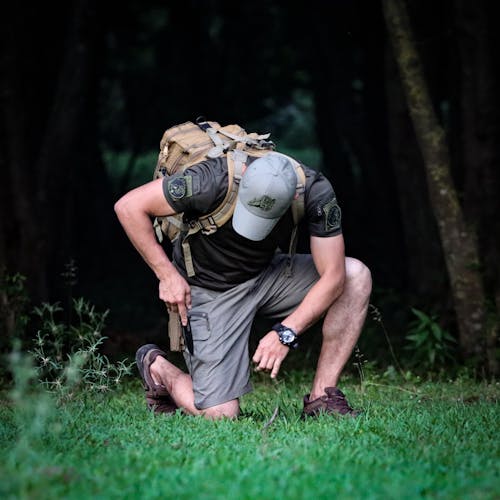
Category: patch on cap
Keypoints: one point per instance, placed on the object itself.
(265, 203)
(332, 215)
(180, 187)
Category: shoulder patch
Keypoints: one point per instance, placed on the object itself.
(332, 215)
(180, 187)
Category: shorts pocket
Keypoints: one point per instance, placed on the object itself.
(200, 325)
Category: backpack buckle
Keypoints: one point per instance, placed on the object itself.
(208, 225)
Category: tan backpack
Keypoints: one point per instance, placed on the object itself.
(189, 143)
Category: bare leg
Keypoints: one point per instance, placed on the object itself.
(180, 387)
(342, 327)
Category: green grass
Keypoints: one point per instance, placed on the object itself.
(415, 440)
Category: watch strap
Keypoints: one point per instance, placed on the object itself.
(279, 328)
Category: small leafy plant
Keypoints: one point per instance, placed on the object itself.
(67, 356)
(430, 344)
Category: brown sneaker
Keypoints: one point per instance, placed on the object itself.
(158, 398)
(334, 402)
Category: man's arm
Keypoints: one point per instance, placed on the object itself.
(134, 211)
(329, 258)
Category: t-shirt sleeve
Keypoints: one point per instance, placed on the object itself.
(198, 189)
(323, 214)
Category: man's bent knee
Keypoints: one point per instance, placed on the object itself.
(358, 276)
(230, 409)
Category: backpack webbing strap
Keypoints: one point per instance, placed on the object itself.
(212, 133)
(188, 258)
(175, 332)
(208, 224)
(235, 161)
(202, 122)
(221, 147)
(297, 206)
(157, 230)
(257, 141)
(298, 202)
(297, 212)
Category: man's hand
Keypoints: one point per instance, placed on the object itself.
(270, 353)
(176, 293)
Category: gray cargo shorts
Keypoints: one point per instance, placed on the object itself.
(221, 323)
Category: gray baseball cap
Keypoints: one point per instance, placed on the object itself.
(266, 191)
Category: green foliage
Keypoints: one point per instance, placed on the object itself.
(67, 356)
(28, 415)
(431, 346)
(416, 439)
(64, 365)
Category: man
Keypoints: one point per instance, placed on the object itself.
(240, 272)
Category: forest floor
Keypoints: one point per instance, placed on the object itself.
(415, 439)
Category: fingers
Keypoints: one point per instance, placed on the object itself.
(183, 313)
(177, 297)
(276, 368)
(257, 356)
(179, 308)
(270, 365)
(269, 355)
(188, 299)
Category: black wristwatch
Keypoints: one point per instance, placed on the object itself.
(286, 335)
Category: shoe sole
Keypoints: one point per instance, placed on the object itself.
(160, 401)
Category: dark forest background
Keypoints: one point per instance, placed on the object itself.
(88, 87)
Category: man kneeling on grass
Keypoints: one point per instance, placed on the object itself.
(239, 271)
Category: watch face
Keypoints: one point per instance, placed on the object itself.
(287, 336)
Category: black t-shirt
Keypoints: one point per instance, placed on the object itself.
(225, 259)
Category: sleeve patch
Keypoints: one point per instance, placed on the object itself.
(332, 215)
(180, 187)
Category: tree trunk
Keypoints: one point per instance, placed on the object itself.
(457, 238)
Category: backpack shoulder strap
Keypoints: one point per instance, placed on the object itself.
(298, 202)
(209, 223)
(235, 162)
(298, 209)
